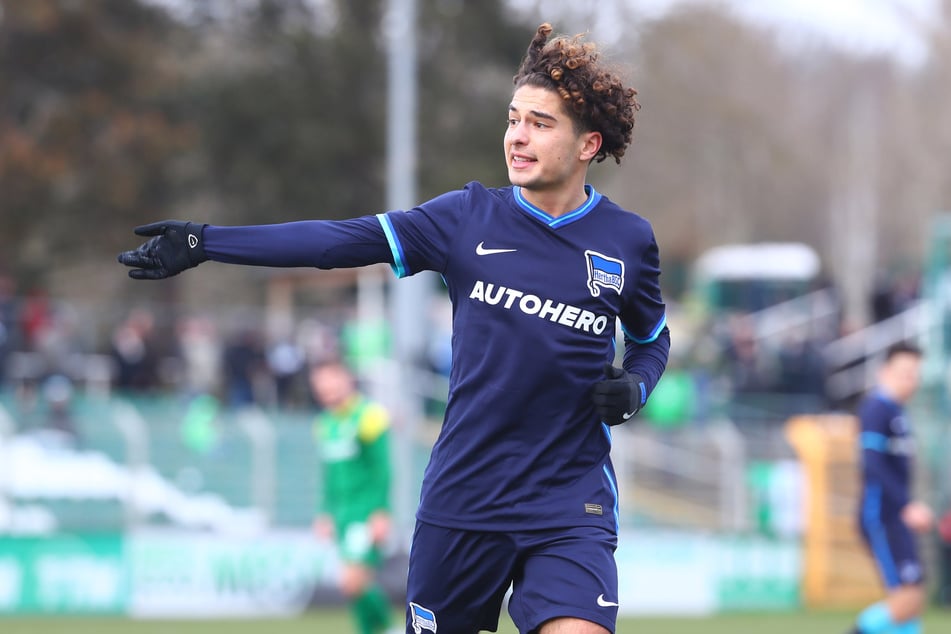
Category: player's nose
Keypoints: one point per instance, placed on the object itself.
(517, 134)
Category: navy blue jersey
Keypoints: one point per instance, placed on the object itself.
(535, 302)
(887, 453)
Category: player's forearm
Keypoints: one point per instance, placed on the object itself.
(648, 359)
(318, 243)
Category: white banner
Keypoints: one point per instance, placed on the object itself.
(188, 575)
(674, 572)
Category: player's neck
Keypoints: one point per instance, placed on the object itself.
(556, 203)
(345, 406)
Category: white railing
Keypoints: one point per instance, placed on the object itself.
(695, 476)
(850, 359)
(135, 436)
(813, 315)
(261, 434)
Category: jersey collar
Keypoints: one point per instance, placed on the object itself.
(593, 199)
(881, 395)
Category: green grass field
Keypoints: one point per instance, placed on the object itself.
(337, 622)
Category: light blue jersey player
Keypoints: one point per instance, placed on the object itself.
(520, 490)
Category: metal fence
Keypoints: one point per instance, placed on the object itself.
(171, 460)
(161, 460)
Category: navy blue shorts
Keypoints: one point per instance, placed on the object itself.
(458, 579)
(895, 550)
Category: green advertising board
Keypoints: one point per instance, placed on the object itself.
(63, 575)
(758, 573)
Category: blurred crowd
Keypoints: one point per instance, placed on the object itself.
(773, 363)
(754, 363)
(141, 354)
(50, 349)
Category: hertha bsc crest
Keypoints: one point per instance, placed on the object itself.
(422, 618)
(604, 272)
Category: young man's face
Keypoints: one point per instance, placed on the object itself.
(332, 385)
(901, 375)
(542, 149)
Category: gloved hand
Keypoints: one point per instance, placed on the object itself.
(174, 247)
(619, 395)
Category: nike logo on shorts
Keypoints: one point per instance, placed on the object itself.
(604, 603)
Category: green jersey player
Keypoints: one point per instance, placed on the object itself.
(352, 435)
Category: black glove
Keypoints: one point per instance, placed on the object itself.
(176, 246)
(619, 395)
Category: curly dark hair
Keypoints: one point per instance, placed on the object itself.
(594, 95)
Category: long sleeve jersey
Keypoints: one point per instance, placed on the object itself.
(535, 302)
(887, 456)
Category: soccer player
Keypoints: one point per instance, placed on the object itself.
(519, 489)
(888, 516)
(352, 436)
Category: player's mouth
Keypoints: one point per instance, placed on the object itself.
(520, 161)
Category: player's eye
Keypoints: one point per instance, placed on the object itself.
(539, 124)
(511, 122)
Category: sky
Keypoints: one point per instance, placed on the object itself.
(859, 26)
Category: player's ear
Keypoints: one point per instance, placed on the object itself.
(590, 145)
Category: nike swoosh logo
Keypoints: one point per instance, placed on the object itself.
(627, 415)
(481, 250)
(606, 604)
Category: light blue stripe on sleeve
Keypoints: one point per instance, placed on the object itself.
(874, 441)
(399, 262)
(651, 337)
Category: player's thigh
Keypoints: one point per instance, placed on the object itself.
(356, 544)
(566, 576)
(894, 548)
(457, 579)
(567, 625)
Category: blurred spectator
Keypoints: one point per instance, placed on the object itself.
(285, 362)
(35, 318)
(802, 369)
(892, 295)
(746, 366)
(882, 301)
(133, 351)
(201, 354)
(907, 290)
(944, 527)
(244, 363)
(317, 341)
(7, 317)
(199, 429)
(60, 425)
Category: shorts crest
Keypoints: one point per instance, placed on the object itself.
(422, 618)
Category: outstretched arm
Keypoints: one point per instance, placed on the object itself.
(324, 244)
(175, 246)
